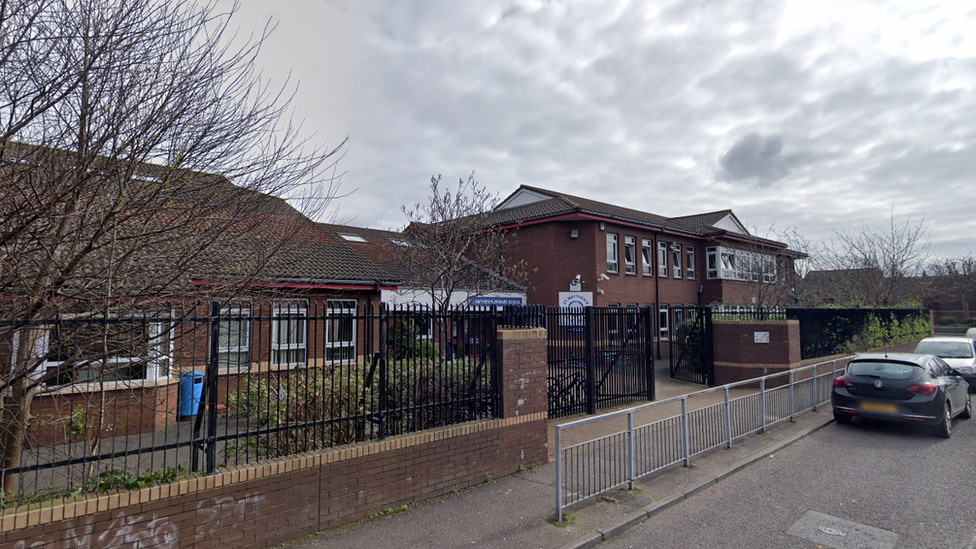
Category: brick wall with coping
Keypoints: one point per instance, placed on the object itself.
(274, 502)
(738, 356)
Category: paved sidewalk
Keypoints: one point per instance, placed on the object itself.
(514, 512)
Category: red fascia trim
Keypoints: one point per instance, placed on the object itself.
(585, 216)
(716, 238)
(306, 285)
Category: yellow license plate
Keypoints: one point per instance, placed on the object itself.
(879, 407)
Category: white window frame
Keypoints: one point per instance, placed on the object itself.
(743, 265)
(342, 308)
(613, 321)
(662, 259)
(613, 257)
(294, 310)
(647, 256)
(158, 362)
(676, 260)
(630, 255)
(690, 262)
(663, 322)
(230, 313)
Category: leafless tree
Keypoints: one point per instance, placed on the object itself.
(138, 150)
(953, 279)
(878, 266)
(453, 246)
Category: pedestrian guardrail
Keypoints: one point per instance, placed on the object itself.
(692, 424)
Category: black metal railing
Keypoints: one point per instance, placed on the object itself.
(826, 332)
(598, 357)
(125, 401)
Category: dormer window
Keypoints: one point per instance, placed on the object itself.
(349, 237)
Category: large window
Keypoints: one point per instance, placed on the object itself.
(289, 333)
(341, 330)
(91, 349)
(662, 259)
(613, 263)
(234, 337)
(676, 259)
(690, 261)
(732, 264)
(647, 257)
(630, 255)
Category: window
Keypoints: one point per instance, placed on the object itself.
(690, 262)
(613, 265)
(234, 336)
(349, 237)
(289, 333)
(613, 321)
(732, 264)
(647, 257)
(662, 259)
(633, 320)
(630, 255)
(341, 330)
(676, 259)
(83, 349)
(662, 322)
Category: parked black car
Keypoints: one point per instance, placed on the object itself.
(901, 387)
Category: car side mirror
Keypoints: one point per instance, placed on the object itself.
(954, 372)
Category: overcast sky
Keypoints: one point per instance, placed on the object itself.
(793, 113)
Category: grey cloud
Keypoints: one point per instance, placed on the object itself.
(755, 157)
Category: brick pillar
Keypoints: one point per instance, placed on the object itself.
(522, 372)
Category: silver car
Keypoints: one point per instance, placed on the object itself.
(958, 352)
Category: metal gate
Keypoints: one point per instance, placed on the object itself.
(691, 345)
(598, 358)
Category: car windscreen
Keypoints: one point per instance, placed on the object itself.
(946, 349)
(883, 370)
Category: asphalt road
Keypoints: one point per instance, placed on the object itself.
(864, 486)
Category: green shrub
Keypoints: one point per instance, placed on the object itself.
(879, 331)
(301, 397)
(947, 321)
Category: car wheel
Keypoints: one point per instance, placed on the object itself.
(944, 429)
(967, 412)
(842, 418)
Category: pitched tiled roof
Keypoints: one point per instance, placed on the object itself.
(703, 224)
(381, 249)
(560, 204)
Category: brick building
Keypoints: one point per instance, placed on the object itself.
(629, 257)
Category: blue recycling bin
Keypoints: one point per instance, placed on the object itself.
(191, 391)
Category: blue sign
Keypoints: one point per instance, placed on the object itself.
(485, 301)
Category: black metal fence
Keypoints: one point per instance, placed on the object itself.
(121, 402)
(826, 332)
(599, 357)
(691, 345)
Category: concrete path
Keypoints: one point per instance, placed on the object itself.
(516, 511)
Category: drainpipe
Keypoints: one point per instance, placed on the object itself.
(657, 294)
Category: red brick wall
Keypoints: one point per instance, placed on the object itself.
(737, 356)
(553, 259)
(274, 502)
(523, 374)
(125, 411)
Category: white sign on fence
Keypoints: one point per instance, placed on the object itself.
(574, 300)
